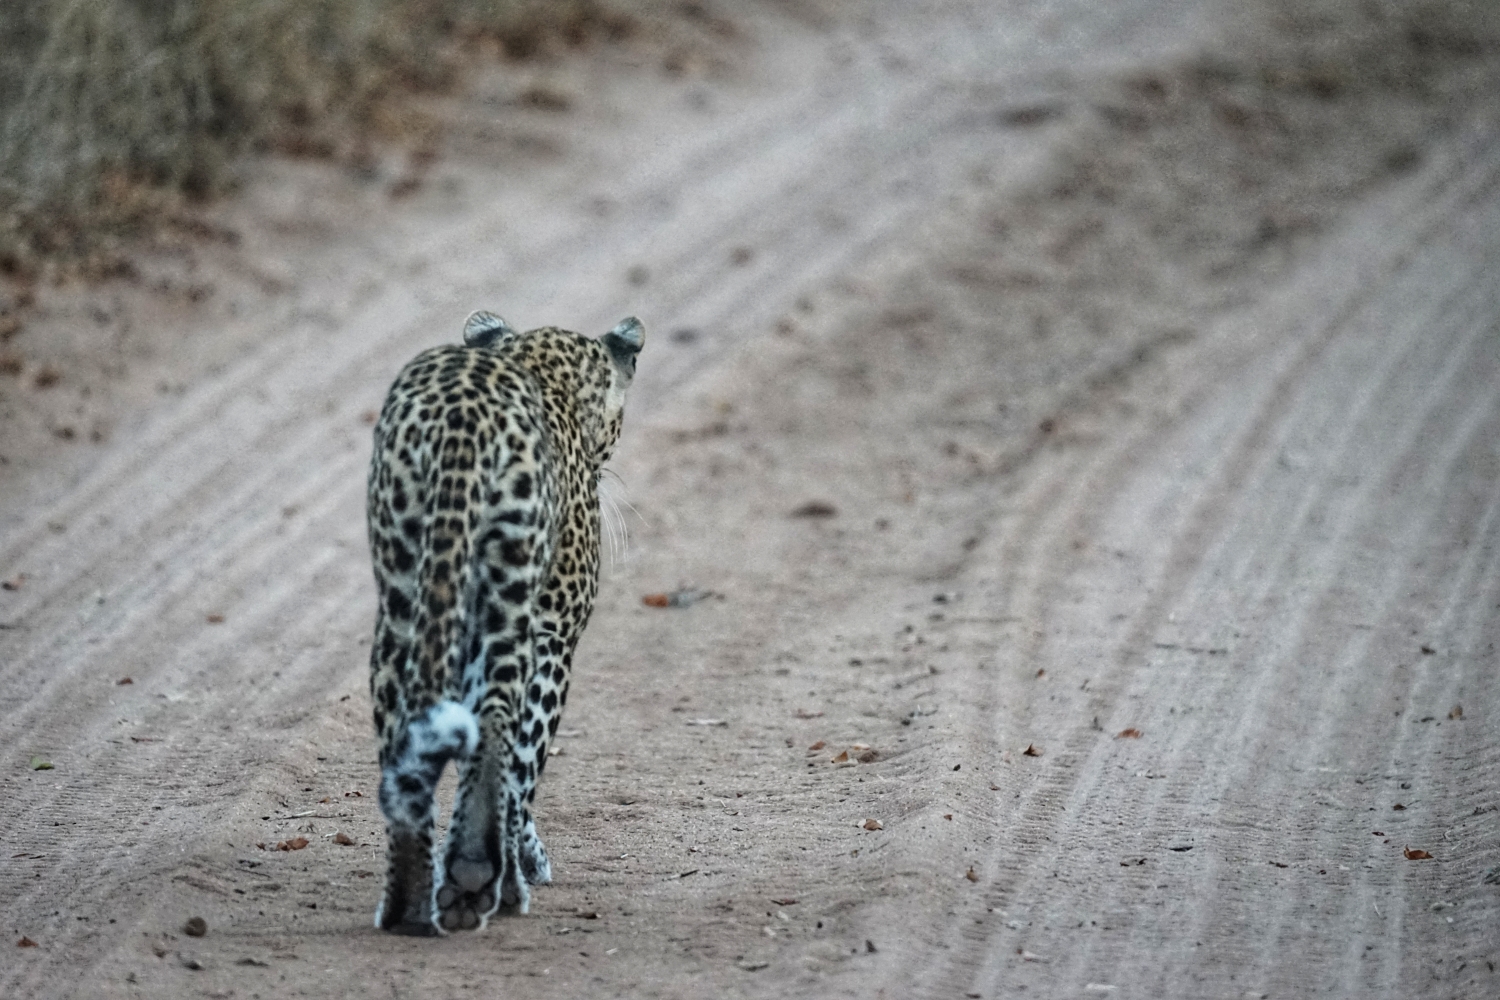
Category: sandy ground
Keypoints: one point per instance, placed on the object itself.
(1088, 423)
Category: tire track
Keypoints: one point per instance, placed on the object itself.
(1219, 571)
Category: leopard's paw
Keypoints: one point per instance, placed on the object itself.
(515, 894)
(396, 915)
(406, 904)
(468, 895)
(536, 868)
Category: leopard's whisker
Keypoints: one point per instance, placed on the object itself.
(620, 493)
(612, 518)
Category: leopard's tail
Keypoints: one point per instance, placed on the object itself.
(434, 731)
(445, 731)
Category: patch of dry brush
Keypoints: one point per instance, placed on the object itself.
(114, 111)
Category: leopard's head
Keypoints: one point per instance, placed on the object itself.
(587, 378)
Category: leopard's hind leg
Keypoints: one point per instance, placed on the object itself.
(480, 858)
(466, 894)
(487, 868)
(480, 861)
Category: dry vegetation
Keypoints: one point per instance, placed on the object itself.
(113, 112)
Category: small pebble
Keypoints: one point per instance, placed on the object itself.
(195, 927)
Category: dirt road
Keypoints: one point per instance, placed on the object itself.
(1088, 429)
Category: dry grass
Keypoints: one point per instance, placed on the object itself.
(116, 112)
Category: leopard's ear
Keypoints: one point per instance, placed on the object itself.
(485, 329)
(625, 342)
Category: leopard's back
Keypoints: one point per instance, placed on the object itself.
(462, 462)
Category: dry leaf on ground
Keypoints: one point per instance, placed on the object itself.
(1417, 855)
(1456, 712)
(26, 942)
(816, 746)
(40, 764)
(785, 901)
(1032, 750)
(1129, 734)
(295, 844)
(343, 839)
(873, 824)
(816, 508)
(214, 618)
(124, 680)
(842, 758)
(971, 874)
(683, 597)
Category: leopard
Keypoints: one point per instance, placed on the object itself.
(483, 516)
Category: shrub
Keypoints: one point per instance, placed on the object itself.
(111, 111)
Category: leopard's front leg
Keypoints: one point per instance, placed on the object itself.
(545, 697)
(536, 867)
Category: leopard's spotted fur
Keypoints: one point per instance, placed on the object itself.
(484, 532)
